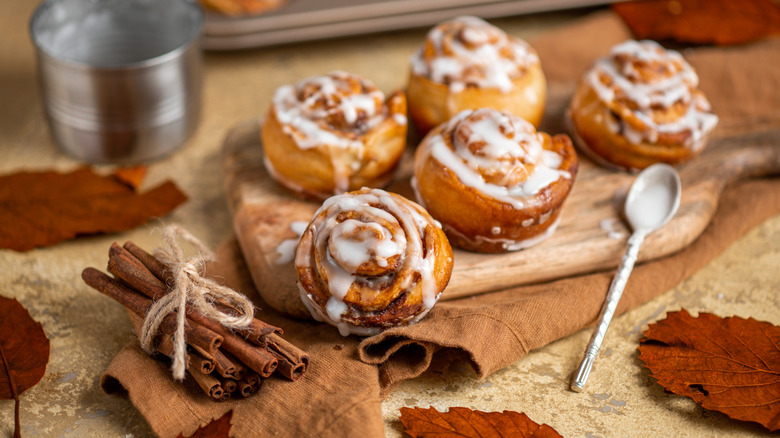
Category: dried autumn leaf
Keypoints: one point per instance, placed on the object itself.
(464, 422)
(132, 176)
(44, 208)
(218, 428)
(702, 21)
(24, 353)
(730, 365)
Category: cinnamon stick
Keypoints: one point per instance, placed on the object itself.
(154, 265)
(252, 378)
(204, 364)
(257, 330)
(203, 353)
(245, 388)
(293, 361)
(208, 383)
(229, 385)
(257, 359)
(263, 362)
(250, 384)
(139, 304)
(223, 365)
(164, 343)
(125, 266)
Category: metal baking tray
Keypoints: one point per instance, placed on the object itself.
(305, 20)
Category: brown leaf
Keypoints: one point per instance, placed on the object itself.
(702, 21)
(730, 365)
(44, 208)
(218, 428)
(464, 422)
(132, 176)
(24, 353)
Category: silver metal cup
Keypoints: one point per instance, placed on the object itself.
(121, 79)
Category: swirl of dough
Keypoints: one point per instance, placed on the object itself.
(371, 260)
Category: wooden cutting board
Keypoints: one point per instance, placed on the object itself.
(591, 236)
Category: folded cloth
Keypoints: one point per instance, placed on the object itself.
(342, 391)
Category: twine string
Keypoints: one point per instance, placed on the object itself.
(190, 289)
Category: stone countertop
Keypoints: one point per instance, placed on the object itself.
(86, 329)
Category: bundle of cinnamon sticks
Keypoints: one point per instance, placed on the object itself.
(221, 361)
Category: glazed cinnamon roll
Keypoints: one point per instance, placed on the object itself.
(331, 134)
(370, 260)
(494, 183)
(640, 105)
(468, 63)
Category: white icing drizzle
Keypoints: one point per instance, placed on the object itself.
(287, 247)
(468, 51)
(335, 308)
(347, 244)
(610, 225)
(619, 76)
(375, 242)
(332, 112)
(286, 251)
(490, 142)
(299, 227)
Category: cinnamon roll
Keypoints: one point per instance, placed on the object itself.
(370, 260)
(468, 63)
(640, 105)
(494, 183)
(331, 134)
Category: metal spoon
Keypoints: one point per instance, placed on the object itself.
(652, 200)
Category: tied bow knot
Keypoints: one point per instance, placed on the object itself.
(189, 288)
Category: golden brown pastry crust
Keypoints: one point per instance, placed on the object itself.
(370, 260)
(431, 103)
(238, 8)
(640, 106)
(510, 79)
(474, 219)
(342, 147)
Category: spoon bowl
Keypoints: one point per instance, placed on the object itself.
(651, 202)
(653, 198)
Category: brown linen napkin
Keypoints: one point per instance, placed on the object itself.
(340, 394)
(342, 391)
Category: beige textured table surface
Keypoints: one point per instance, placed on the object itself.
(86, 329)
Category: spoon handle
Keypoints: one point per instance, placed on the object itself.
(608, 309)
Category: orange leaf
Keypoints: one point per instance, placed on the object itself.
(24, 353)
(44, 208)
(218, 428)
(702, 21)
(132, 176)
(730, 365)
(464, 422)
